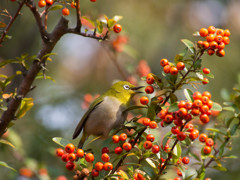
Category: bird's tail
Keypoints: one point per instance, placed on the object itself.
(82, 140)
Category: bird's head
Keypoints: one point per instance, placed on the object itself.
(124, 90)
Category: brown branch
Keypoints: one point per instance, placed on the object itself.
(11, 21)
(78, 13)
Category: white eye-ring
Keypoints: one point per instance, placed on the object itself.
(126, 86)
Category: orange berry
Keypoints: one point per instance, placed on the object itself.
(181, 104)
(220, 32)
(205, 99)
(162, 113)
(205, 44)
(144, 100)
(218, 39)
(210, 52)
(146, 121)
(197, 95)
(69, 148)
(208, 94)
(203, 32)
(73, 4)
(204, 118)
(147, 144)
(202, 137)
(209, 142)
(150, 79)
(59, 152)
(173, 71)
(206, 70)
(195, 112)
(89, 157)
(210, 37)
(204, 109)
(227, 32)
(205, 81)
(65, 157)
(93, 0)
(180, 66)
(115, 138)
(41, 3)
(153, 125)
(127, 146)
(175, 130)
(108, 166)
(118, 150)
(163, 62)
(221, 45)
(220, 53)
(65, 11)
(117, 28)
(168, 118)
(99, 166)
(197, 103)
(189, 127)
(105, 157)
(200, 44)
(80, 153)
(179, 173)
(95, 173)
(194, 134)
(207, 150)
(210, 104)
(72, 157)
(149, 89)
(213, 45)
(123, 137)
(183, 112)
(188, 105)
(211, 29)
(226, 40)
(166, 69)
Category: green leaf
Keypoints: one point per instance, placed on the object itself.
(110, 23)
(173, 98)
(173, 107)
(151, 113)
(220, 168)
(117, 18)
(215, 130)
(216, 107)
(177, 152)
(166, 137)
(47, 55)
(202, 173)
(184, 52)
(178, 58)
(188, 94)
(55, 7)
(6, 142)
(2, 24)
(45, 77)
(150, 162)
(99, 26)
(189, 44)
(60, 141)
(26, 105)
(195, 156)
(233, 129)
(8, 61)
(197, 64)
(7, 166)
(224, 94)
(221, 149)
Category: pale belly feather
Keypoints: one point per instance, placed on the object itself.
(107, 116)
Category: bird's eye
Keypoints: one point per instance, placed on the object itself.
(126, 86)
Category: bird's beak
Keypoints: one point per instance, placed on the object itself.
(136, 89)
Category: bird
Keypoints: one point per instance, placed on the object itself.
(107, 112)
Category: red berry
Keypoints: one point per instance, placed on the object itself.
(89, 157)
(146, 121)
(189, 127)
(108, 166)
(127, 146)
(210, 37)
(218, 39)
(202, 137)
(210, 52)
(207, 150)
(183, 112)
(118, 150)
(197, 95)
(206, 93)
(195, 112)
(65, 157)
(162, 113)
(123, 137)
(59, 152)
(147, 144)
(227, 32)
(204, 118)
(206, 70)
(70, 165)
(99, 166)
(144, 100)
(220, 32)
(49, 2)
(185, 160)
(220, 53)
(93, 0)
(105, 150)
(175, 130)
(166, 69)
(194, 134)
(211, 29)
(221, 45)
(117, 28)
(181, 104)
(149, 89)
(179, 173)
(65, 11)
(188, 105)
(150, 79)
(41, 3)
(115, 138)
(80, 153)
(155, 149)
(150, 137)
(209, 142)
(168, 118)
(72, 157)
(174, 71)
(181, 136)
(205, 81)
(69, 148)
(197, 103)
(95, 173)
(105, 157)
(205, 44)
(180, 65)
(226, 40)
(205, 99)
(203, 32)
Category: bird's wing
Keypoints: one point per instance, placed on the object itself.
(82, 122)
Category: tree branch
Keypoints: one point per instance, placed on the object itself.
(11, 21)
(78, 13)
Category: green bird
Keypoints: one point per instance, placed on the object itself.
(107, 112)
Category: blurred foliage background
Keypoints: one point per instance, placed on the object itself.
(82, 65)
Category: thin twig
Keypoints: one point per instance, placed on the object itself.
(78, 13)
(11, 21)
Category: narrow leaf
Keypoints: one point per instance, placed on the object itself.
(220, 168)
(60, 141)
(55, 7)
(26, 105)
(189, 44)
(188, 94)
(6, 142)
(7, 166)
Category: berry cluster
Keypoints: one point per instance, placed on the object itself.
(65, 11)
(209, 142)
(171, 68)
(216, 39)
